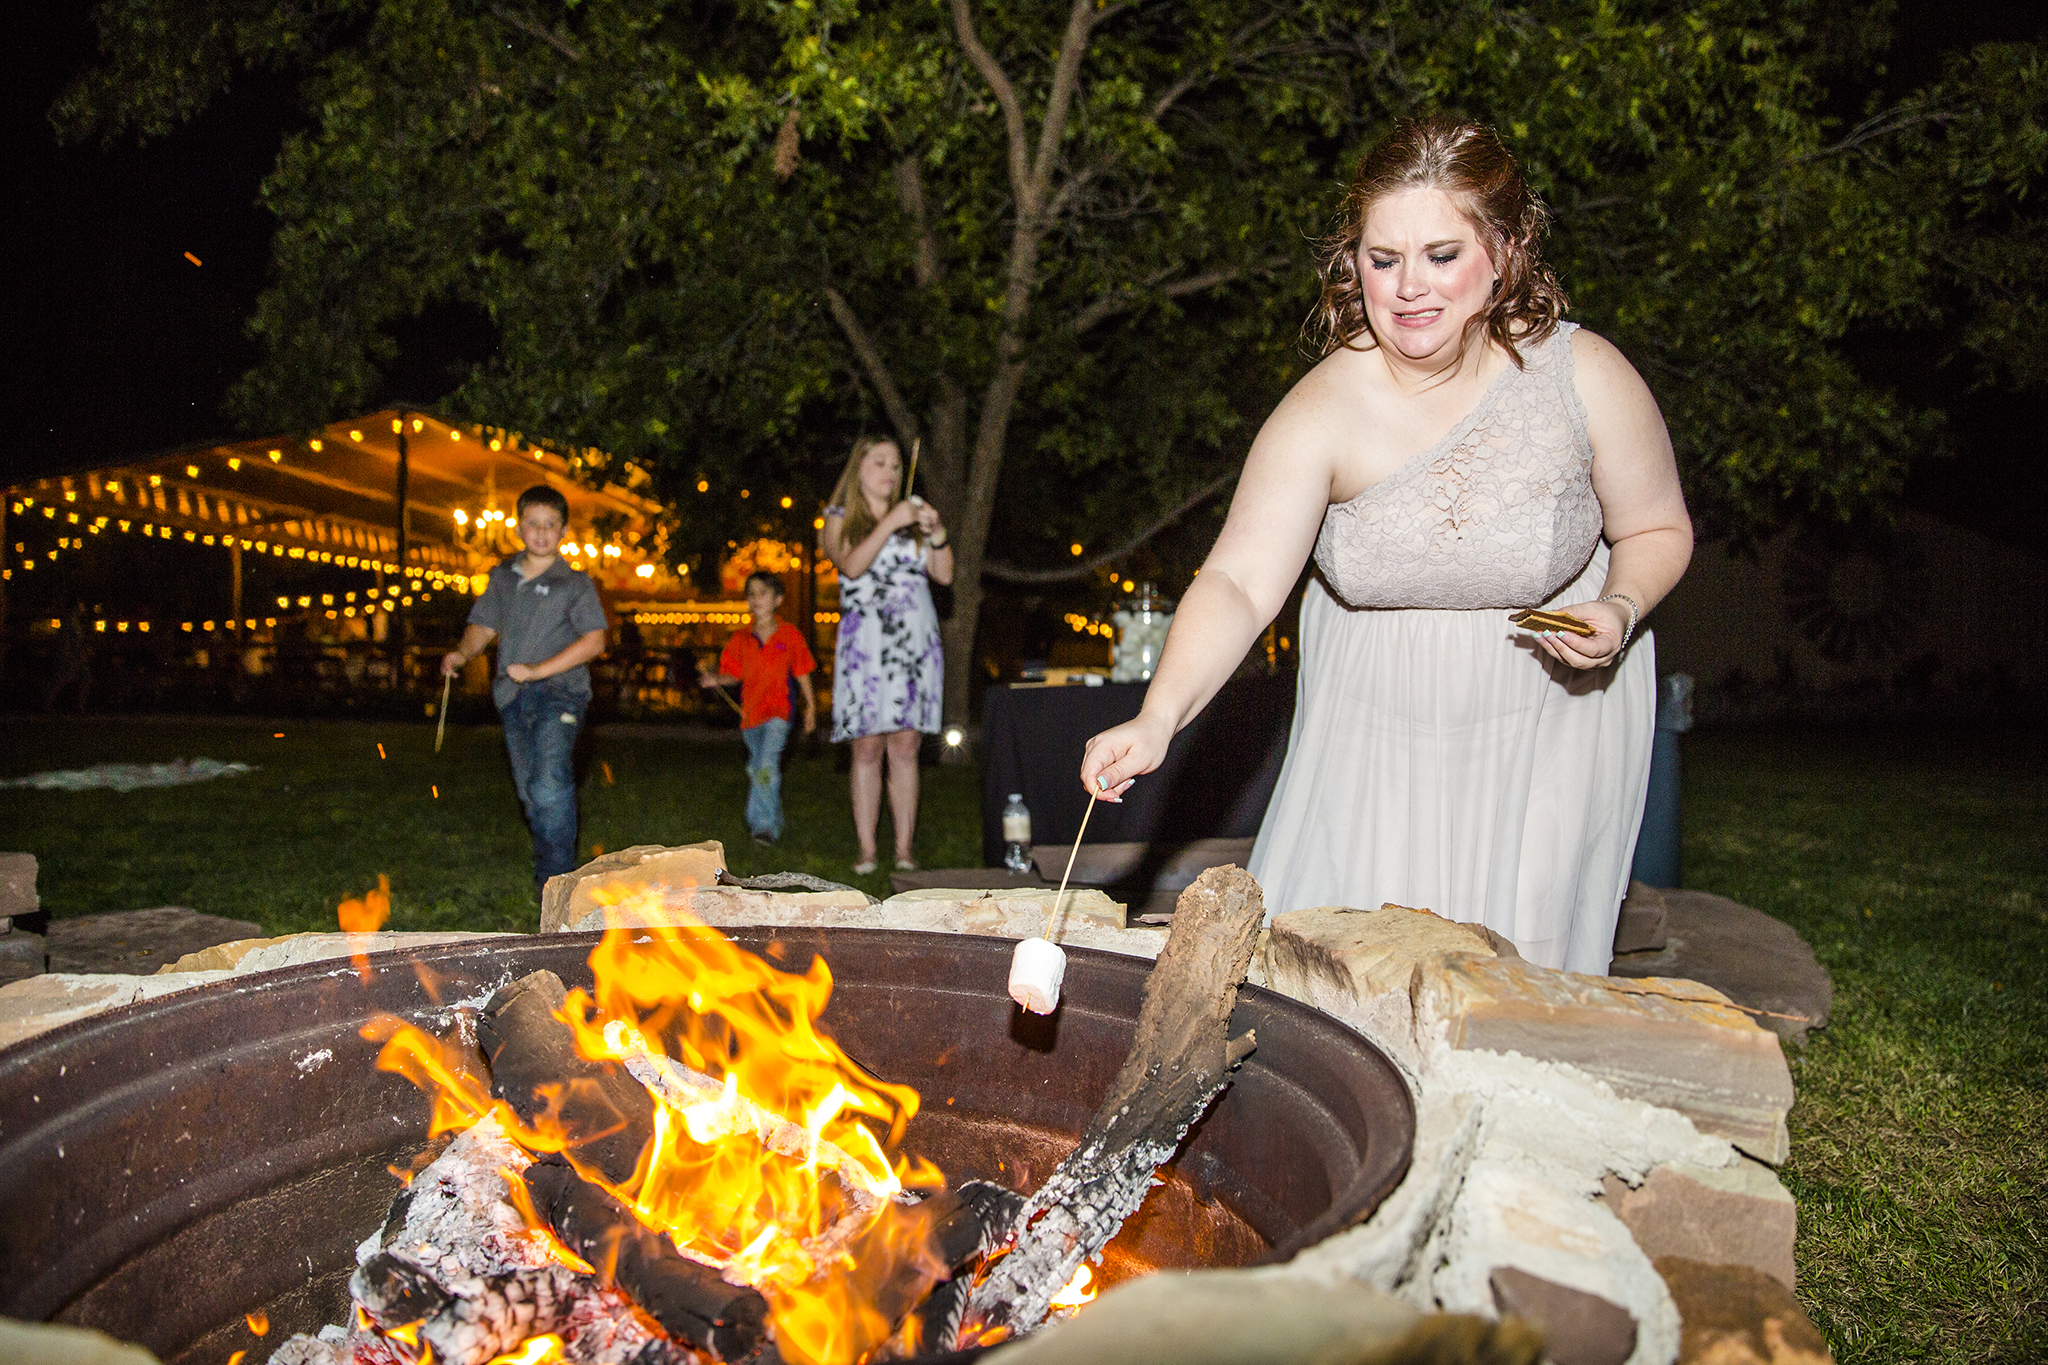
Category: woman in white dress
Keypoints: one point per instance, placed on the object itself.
(1459, 453)
(888, 673)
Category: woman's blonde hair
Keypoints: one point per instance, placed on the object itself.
(1468, 162)
(848, 497)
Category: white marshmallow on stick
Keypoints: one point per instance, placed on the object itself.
(1039, 965)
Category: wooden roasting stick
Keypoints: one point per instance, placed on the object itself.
(1179, 1062)
(447, 679)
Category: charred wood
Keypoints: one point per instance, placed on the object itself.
(689, 1300)
(1180, 1060)
(607, 1116)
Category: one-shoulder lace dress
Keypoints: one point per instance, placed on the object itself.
(1438, 759)
(888, 672)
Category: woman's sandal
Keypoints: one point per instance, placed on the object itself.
(906, 864)
(864, 867)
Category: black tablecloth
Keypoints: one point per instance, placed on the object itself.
(1215, 782)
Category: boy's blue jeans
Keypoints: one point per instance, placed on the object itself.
(541, 725)
(764, 775)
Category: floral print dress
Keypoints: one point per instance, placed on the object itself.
(888, 673)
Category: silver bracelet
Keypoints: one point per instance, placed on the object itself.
(1635, 614)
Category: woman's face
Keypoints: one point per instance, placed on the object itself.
(1425, 271)
(879, 470)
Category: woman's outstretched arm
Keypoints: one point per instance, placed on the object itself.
(1240, 588)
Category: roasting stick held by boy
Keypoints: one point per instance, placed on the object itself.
(762, 659)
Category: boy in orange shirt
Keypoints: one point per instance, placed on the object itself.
(762, 659)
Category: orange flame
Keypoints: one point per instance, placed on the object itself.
(366, 916)
(771, 1150)
(259, 1322)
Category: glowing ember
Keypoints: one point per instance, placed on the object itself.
(771, 1155)
(259, 1321)
(1079, 1291)
(541, 1350)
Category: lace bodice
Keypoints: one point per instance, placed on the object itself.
(1500, 513)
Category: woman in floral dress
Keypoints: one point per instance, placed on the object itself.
(888, 672)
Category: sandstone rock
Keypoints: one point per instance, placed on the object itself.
(1641, 925)
(1386, 1250)
(1084, 905)
(18, 884)
(41, 1003)
(997, 915)
(220, 957)
(1756, 961)
(1736, 1215)
(139, 941)
(1677, 1044)
(1260, 1317)
(1506, 1217)
(1735, 1315)
(45, 1343)
(1578, 1328)
(1360, 966)
(630, 871)
(295, 949)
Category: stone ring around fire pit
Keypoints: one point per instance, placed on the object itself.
(168, 1168)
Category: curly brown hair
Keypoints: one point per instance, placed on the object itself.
(1468, 162)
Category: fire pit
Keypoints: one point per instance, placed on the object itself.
(166, 1169)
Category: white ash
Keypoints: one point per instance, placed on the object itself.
(456, 1258)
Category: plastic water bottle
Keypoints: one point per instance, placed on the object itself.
(1017, 834)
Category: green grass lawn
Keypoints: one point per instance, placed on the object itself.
(324, 814)
(1916, 865)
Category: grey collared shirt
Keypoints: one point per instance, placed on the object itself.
(536, 619)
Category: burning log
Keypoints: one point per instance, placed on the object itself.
(605, 1111)
(606, 1115)
(689, 1300)
(1179, 1062)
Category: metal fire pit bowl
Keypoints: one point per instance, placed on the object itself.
(169, 1167)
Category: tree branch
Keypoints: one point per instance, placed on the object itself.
(1011, 573)
(1893, 120)
(900, 415)
(1065, 76)
(1123, 300)
(533, 30)
(910, 193)
(1005, 93)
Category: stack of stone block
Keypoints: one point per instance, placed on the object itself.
(1590, 1151)
(23, 952)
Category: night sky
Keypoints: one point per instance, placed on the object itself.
(123, 347)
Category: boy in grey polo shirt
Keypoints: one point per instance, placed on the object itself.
(549, 625)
